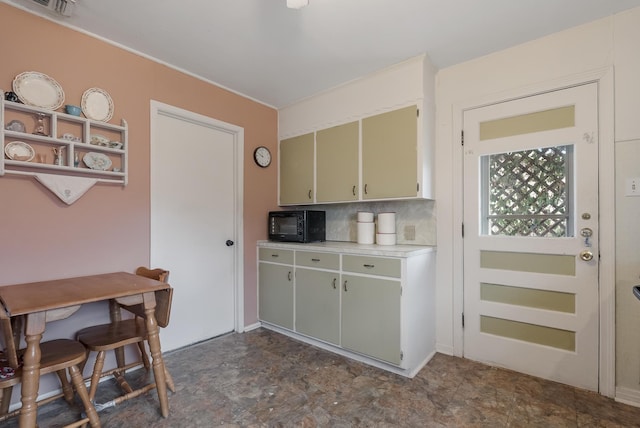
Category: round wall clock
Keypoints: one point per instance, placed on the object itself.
(262, 156)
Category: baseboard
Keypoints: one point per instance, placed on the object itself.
(444, 349)
(252, 327)
(408, 372)
(628, 396)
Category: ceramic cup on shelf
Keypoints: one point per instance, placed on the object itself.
(71, 109)
(11, 96)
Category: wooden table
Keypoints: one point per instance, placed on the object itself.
(37, 299)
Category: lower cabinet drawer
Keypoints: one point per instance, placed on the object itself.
(276, 255)
(318, 260)
(380, 266)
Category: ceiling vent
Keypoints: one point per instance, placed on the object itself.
(58, 7)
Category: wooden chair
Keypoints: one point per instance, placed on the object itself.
(56, 356)
(119, 333)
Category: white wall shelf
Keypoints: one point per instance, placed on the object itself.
(56, 126)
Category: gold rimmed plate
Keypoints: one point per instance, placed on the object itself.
(38, 90)
(18, 150)
(97, 104)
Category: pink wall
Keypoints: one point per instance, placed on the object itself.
(107, 229)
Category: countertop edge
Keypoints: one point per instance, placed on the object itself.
(353, 248)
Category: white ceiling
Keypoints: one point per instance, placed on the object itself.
(277, 56)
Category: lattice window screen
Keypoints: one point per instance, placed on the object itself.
(527, 193)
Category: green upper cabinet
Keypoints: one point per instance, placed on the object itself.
(389, 154)
(386, 156)
(296, 170)
(337, 158)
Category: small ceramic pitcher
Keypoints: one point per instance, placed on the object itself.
(58, 155)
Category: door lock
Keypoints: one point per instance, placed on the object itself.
(586, 233)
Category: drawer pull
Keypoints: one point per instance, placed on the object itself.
(289, 276)
(315, 260)
(274, 255)
(369, 266)
(334, 283)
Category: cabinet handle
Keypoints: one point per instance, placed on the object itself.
(345, 285)
(369, 266)
(309, 193)
(354, 190)
(334, 283)
(289, 276)
(315, 260)
(365, 189)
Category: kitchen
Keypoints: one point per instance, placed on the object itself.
(94, 242)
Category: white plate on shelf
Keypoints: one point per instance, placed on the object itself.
(97, 104)
(38, 90)
(17, 150)
(99, 140)
(16, 126)
(97, 161)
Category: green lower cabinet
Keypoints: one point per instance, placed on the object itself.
(318, 304)
(276, 294)
(371, 317)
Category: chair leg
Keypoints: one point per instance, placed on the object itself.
(170, 383)
(95, 376)
(120, 356)
(67, 390)
(5, 399)
(84, 362)
(76, 378)
(144, 356)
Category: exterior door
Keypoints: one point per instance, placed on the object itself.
(193, 215)
(531, 235)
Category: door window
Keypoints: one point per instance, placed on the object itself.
(528, 192)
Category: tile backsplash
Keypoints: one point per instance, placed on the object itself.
(414, 219)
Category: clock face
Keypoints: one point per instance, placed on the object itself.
(262, 156)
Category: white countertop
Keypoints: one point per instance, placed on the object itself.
(352, 247)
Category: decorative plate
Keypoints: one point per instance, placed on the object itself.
(97, 104)
(99, 140)
(38, 90)
(16, 125)
(17, 150)
(98, 161)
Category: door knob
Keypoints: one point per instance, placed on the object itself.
(229, 243)
(586, 255)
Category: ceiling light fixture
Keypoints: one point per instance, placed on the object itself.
(297, 4)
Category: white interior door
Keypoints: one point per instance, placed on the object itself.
(531, 235)
(195, 222)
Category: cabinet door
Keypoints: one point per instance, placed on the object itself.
(296, 170)
(371, 317)
(337, 163)
(318, 304)
(275, 291)
(390, 154)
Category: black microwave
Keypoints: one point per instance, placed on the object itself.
(297, 226)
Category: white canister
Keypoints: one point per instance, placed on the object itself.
(366, 232)
(386, 238)
(365, 217)
(386, 222)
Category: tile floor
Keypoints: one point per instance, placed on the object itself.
(264, 379)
